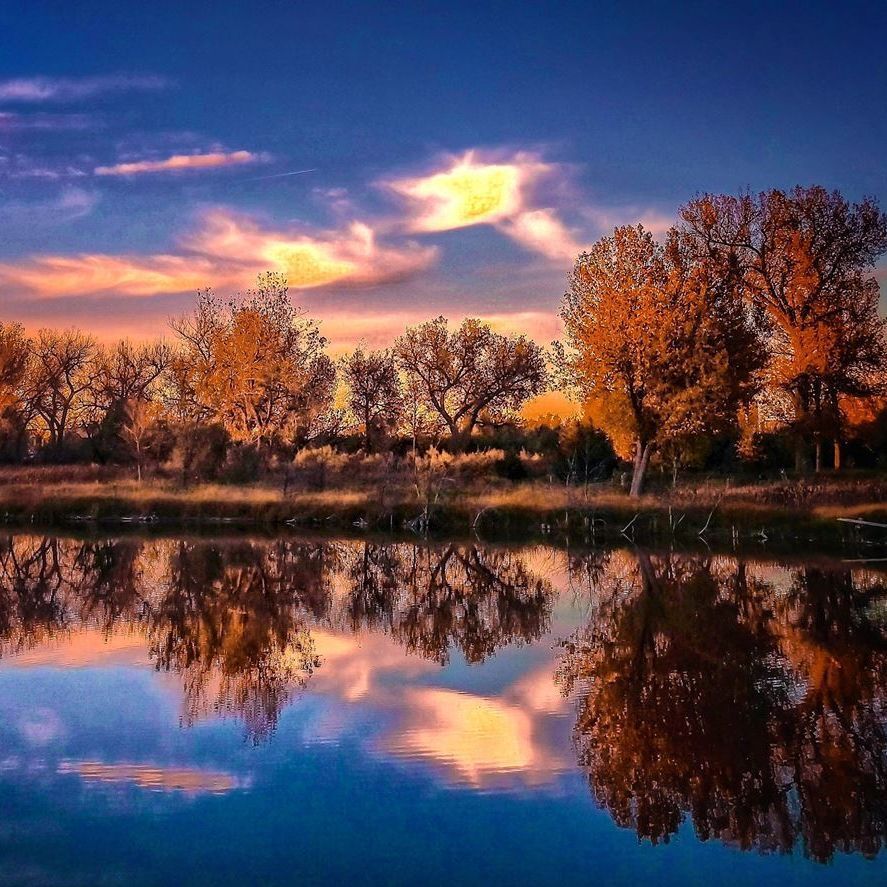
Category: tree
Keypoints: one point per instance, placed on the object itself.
(659, 345)
(128, 371)
(254, 364)
(58, 380)
(14, 350)
(374, 392)
(804, 260)
(472, 376)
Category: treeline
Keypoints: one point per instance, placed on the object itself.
(752, 328)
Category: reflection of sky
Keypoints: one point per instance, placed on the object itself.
(387, 768)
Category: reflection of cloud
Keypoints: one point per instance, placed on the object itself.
(40, 727)
(85, 647)
(353, 663)
(154, 777)
(478, 737)
(69, 89)
(179, 162)
(226, 251)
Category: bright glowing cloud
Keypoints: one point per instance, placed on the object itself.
(351, 255)
(499, 192)
(469, 191)
(70, 89)
(180, 162)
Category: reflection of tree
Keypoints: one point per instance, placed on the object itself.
(231, 621)
(34, 588)
(707, 693)
(431, 598)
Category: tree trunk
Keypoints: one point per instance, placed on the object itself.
(800, 455)
(837, 462)
(817, 450)
(641, 459)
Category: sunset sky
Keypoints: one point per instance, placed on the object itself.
(398, 161)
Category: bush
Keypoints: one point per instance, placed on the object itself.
(200, 451)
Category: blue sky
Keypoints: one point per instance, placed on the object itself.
(457, 154)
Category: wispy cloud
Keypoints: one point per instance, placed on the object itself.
(43, 121)
(227, 251)
(182, 162)
(349, 255)
(541, 231)
(71, 89)
(69, 205)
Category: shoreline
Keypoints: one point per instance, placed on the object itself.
(517, 511)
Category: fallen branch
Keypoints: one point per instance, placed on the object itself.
(858, 522)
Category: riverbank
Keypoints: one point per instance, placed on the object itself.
(805, 509)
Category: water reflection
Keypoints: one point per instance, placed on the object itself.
(234, 620)
(749, 699)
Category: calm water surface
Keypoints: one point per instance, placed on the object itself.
(250, 711)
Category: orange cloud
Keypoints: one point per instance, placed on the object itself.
(179, 162)
(227, 251)
(53, 276)
(352, 255)
(479, 739)
(153, 777)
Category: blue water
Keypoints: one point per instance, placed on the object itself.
(474, 725)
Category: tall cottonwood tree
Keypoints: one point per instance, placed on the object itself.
(470, 376)
(659, 346)
(254, 364)
(804, 258)
(375, 394)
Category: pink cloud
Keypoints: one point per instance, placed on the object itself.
(180, 162)
(68, 89)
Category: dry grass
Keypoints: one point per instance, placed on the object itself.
(55, 494)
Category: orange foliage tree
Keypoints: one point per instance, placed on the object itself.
(255, 365)
(803, 258)
(659, 344)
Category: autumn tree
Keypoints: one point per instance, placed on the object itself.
(804, 258)
(660, 347)
(58, 381)
(14, 351)
(375, 394)
(471, 376)
(254, 364)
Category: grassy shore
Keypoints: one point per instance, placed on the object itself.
(785, 509)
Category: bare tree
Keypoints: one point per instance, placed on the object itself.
(58, 380)
(375, 394)
(471, 376)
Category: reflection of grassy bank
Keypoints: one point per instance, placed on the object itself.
(494, 508)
